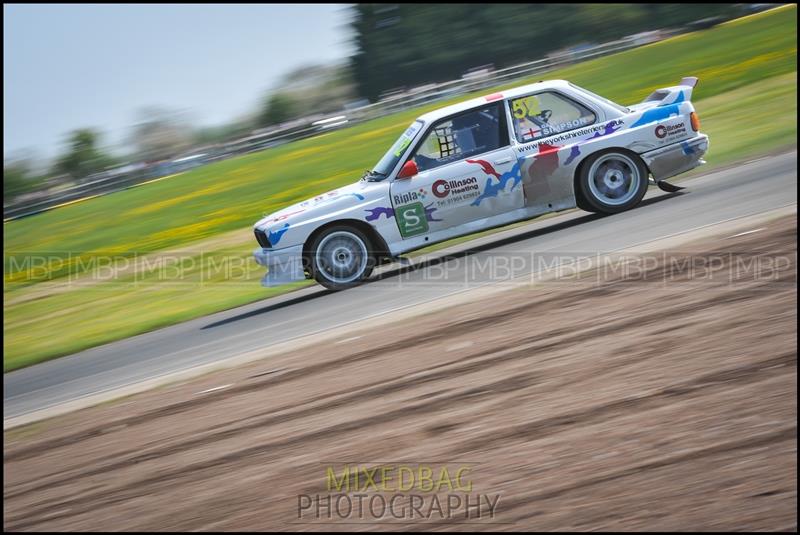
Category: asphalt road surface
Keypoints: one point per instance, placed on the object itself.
(756, 187)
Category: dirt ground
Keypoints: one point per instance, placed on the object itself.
(663, 402)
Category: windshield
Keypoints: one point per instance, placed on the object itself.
(390, 159)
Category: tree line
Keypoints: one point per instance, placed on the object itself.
(404, 45)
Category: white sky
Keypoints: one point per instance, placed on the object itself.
(73, 66)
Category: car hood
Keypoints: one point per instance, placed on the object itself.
(325, 203)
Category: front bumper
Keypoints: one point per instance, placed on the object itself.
(676, 158)
(283, 265)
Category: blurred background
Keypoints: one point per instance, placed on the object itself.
(362, 62)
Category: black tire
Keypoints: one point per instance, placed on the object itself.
(612, 181)
(581, 203)
(338, 251)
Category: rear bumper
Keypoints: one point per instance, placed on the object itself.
(283, 265)
(676, 158)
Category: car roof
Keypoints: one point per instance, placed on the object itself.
(435, 115)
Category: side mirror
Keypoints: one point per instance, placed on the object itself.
(408, 170)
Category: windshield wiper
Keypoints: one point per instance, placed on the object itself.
(370, 174)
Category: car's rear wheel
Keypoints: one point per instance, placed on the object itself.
(613, 181)
(340, 257)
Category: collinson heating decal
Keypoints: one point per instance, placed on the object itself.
(443, 188)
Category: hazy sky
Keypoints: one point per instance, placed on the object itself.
(66, 67)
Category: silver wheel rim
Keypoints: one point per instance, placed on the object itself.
(342, 257)
(614, 179)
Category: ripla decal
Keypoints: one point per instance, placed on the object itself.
(275, 237)
(492, 190)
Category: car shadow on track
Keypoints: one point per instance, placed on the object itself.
(402, 270)
(320, 291)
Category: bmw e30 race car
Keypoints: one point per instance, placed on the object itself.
(485, 163)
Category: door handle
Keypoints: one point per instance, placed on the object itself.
(502, 161)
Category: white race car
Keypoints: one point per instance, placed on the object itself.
(484, 163)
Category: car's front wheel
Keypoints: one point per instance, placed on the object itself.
(340, 257)
(613, 181)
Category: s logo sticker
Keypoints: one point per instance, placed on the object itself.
(411, 219)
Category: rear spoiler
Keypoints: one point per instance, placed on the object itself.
(675, 94)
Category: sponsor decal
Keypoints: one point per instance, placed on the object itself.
(443, 188)
(670, 130)
(374, 214)
(568, 125)
(410, 196)
(598, 131)
(406, 138)
(407, 197)
(411, 219)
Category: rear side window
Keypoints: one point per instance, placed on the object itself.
(547, 114)
(462, 136)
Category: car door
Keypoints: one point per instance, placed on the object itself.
(467, 172)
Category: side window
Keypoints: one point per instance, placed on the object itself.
(462, 136)
(546, 114)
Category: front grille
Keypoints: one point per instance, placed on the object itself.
(263, 241)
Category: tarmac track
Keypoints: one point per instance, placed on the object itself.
(755, 187)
